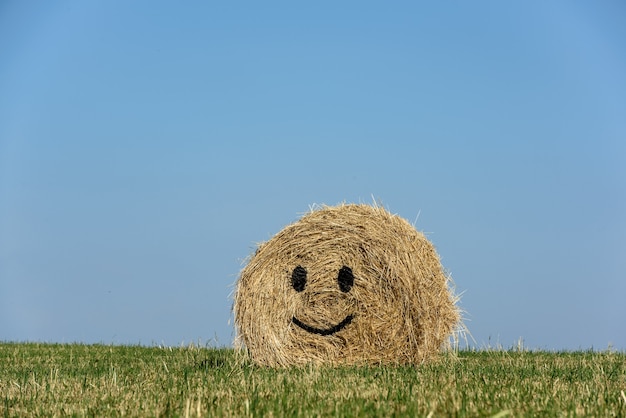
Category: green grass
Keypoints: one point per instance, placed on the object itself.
(100, 380)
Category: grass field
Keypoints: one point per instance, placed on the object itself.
(100, 380)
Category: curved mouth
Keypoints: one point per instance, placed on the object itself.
(327, 331)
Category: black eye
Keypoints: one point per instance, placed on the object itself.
(298, 278)
(345, 279)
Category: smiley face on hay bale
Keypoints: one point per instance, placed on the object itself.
(350, 284)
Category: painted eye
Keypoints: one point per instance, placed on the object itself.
(298, 278)
(345, 279)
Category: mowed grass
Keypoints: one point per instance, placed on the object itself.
(100, 380)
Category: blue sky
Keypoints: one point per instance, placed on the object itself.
(146, 147)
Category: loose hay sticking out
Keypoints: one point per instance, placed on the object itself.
(350, 284)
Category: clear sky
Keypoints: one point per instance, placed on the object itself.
(147, 146)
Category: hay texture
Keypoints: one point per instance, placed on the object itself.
(349, 284)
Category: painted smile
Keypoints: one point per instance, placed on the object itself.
(327, 331)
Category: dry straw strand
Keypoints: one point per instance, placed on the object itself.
(347, 284)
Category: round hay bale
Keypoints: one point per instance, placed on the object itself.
(349, 284)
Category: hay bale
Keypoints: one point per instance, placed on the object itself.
(350, 284)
